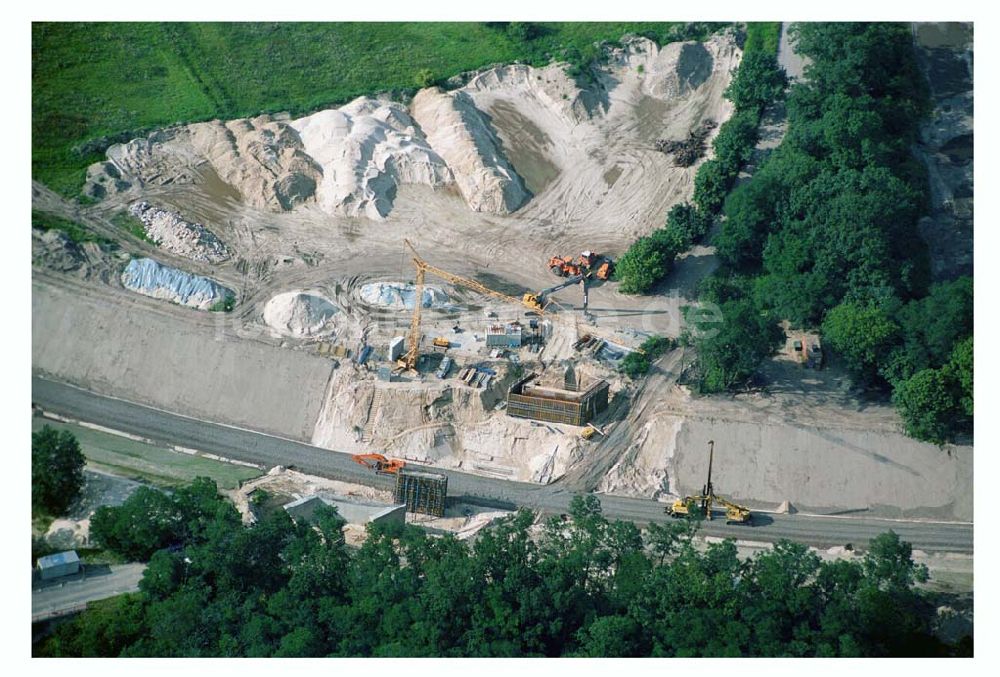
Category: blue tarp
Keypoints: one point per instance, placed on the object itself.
(149, 277)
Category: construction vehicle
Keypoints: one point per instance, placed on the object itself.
(735, 514)
(409, 359)
(588, 432)
(605, 270)
(686, 507)
(441, 342)
(563, 266)
(691, 505)
(379, 463)
(588, 263)
(541, 298)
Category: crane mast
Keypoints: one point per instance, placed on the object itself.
(409, 359)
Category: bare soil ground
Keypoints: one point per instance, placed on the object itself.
(586, 155)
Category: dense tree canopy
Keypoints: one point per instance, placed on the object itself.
(583, 586)
(149, 519)
(56, 470)
(825, 233)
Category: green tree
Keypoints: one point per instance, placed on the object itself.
(862, 334)
(959, 373)
(932, 325)
(735, 143)
(646, 262)
(150, 520)
(56, 470)
(610, 637)
(107, 627)
(927, 405)
(711, 184)
(730, 352)
(758, 82)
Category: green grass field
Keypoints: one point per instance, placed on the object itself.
(763, 36)
(156, 465)
(98, 83)
(77, 232)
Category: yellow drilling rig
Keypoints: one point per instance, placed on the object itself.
(693, 505)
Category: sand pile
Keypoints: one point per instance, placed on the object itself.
(168, 230)
(367, 149)
(676, 69)
(458, 131)
(150, 278)
(260, 157)
(399, 296)
(299, 314)
(586, 153)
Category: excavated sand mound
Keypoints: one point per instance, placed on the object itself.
(399, 296)
(458, 131)
(367, 149)
(299, 314)
(512, 139)
(261, 158)
(168, 230)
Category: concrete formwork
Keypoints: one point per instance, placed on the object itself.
(422, 492)
(556, 405)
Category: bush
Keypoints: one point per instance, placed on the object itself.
(424, 78)
(76, 232)
(639, 361)
(56, 470)
(223, 306)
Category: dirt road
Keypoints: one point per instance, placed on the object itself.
(793, 64)
(59, 597)
(248, 445)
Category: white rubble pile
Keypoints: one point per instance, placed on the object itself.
(299, 314)
(459, 132)
(367, 149)
(171, 232)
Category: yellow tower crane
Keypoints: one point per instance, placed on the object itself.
(409, 359)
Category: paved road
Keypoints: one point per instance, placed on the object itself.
(268, 451)
(56, 598)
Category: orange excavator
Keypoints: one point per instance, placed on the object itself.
(563, 266)
(379, 463)
(588, 263)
